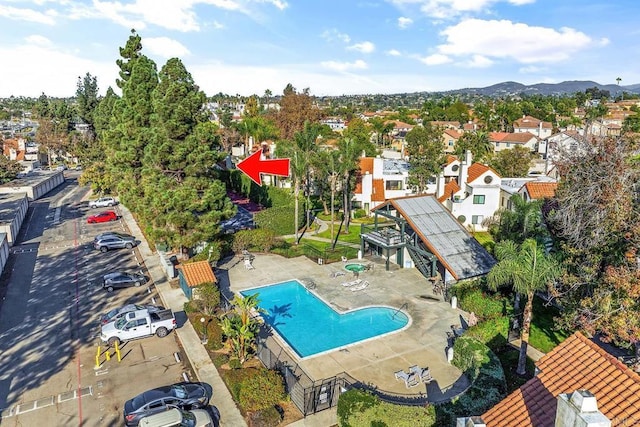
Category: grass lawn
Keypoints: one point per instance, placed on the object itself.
(544, 336)
(352, 237)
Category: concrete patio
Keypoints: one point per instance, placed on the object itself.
(374, 362)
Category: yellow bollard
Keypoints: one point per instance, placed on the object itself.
(98, 358)
(118, 351)
(108, 355)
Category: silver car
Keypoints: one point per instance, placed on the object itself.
(103, 202)
(119, 312)
(107, 241)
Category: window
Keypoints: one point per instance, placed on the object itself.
(488, 179)
(451, 143)
(455, 168)
(393, 185)
(478, 199)
(476, 219)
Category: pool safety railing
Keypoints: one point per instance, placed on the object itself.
(405, 305)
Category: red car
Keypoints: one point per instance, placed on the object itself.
(105, 216)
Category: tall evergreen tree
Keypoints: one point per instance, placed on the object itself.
(87, 98)
(424, 145)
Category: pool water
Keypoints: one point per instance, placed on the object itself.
(359, 268)
(310, 326)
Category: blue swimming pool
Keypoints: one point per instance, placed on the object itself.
(310, 326)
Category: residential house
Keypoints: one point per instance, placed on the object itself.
(534, 126)
(335, 123)
(530, 188)
(506, 141)
(194, 274)
(446, 124)
(14, 149)
(450, 138)
(474, 196)
(577, 363)
(379, 179)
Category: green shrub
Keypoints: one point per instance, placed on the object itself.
(359, 213)
(472, 297)
(220, 359)
(190, 307)
(255, 388)
(488, 385)
(360, 408)
(214, 336)
(234, 363)
(268, 417)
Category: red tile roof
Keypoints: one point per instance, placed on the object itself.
(528, 122)
(577, 363)
(450, 189)
(197, 273)
(497, 136)
(366, 165)
(377, 194)
(541, 190)
(453, 133)
(475, 170)
(518, 137)
(451, 158)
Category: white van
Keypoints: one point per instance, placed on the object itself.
(178, 418)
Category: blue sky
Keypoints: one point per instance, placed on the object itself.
(332, 47)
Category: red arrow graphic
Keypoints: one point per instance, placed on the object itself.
(253, 166)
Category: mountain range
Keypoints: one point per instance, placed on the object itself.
(567, 87)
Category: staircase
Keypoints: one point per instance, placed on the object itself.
(422, 264)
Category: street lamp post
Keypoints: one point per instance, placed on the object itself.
(204, 330)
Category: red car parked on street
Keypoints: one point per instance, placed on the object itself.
(105, 216)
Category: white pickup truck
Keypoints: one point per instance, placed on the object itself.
(138, 324)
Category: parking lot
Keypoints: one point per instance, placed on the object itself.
(49, 322)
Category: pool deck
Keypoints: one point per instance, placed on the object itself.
(423, 342)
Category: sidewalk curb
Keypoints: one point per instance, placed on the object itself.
(199, 359)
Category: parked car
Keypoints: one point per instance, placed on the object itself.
(138, 324)
(106, 234)
(183, 396)
(178, 418)
(103, 202)
(122, 279)
(105, 216)
(109, 241)
(120, 312)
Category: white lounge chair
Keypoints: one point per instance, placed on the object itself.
(344, 259)
(359, 286)
(248, 265)
(423, 373)
(410, 379)
(352, 283)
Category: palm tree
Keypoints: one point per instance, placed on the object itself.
(349, 154)
(523, 221)
(240, 328)
(527, 270)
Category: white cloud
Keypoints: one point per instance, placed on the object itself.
(335, 35)
(364, 47)
(435, 59)
(165, 47)
(404, 22)
(58, 78)
(38, 40)
(479, 61)
(29, 15)
(532, 69)
(345, 66)
(393, 52)
(444, 9)
(282, 5)
(508, 40)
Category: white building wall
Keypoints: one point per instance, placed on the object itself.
(469, 210)
(4, 251)
(12, 223)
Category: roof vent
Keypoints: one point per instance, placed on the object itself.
(579, 409)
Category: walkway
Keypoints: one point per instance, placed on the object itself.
(189, 339)
(532, 352)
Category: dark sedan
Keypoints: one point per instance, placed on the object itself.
(183, 396)
(122, 279)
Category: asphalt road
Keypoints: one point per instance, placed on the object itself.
(51, 301)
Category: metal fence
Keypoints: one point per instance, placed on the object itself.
(311, 396)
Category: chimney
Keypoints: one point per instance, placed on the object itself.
(440, 184)
(13, 154)
(579, 409)
(21, 144)
(464, 169)
(470, 422)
